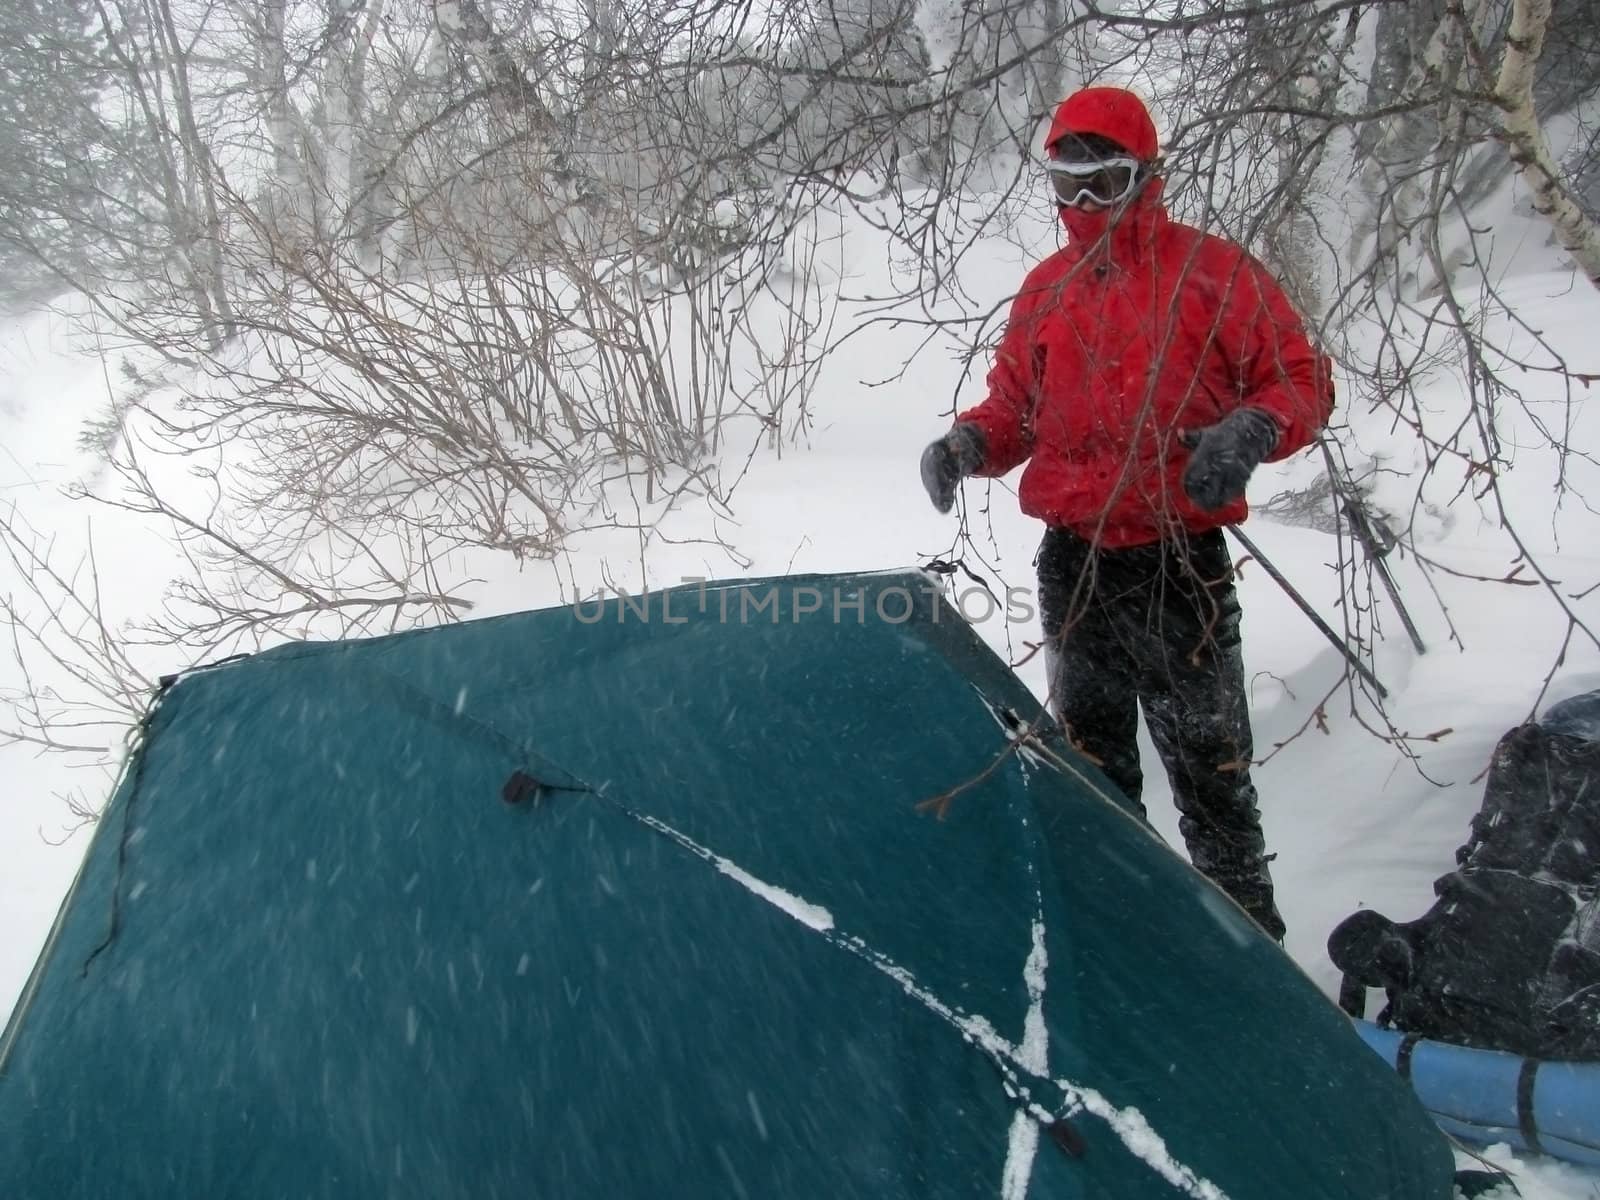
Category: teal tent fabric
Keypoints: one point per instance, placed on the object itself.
(642, 900)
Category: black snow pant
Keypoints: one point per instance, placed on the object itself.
(1158, 626)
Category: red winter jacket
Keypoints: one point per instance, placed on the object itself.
(1112, 349)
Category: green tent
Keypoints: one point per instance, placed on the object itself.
(643, 899)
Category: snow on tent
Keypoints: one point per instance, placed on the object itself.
(641, 900)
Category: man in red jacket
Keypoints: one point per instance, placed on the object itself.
(1145, 371)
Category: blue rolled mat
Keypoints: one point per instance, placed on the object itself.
(1488, 1096)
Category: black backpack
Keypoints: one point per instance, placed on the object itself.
(1508, 957)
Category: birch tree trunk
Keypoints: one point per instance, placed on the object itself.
(290, 204)
(1530, 150)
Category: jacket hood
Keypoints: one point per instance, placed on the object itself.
(1110, 112)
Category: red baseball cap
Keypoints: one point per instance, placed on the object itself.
(1111, 112)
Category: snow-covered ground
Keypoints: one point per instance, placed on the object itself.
(1354, 822)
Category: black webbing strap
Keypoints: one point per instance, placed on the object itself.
(1525, 1119)
(1402, 1056)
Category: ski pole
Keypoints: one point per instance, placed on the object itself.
(1355, 511)
(1327, 631)
(1361, 526)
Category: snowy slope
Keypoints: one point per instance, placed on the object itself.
(1353, 821)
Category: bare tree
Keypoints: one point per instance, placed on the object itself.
(436, 276)
(79, 687)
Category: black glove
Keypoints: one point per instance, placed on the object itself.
(950, 460)
(1225, 454)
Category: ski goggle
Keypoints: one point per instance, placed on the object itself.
(1102, 181)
